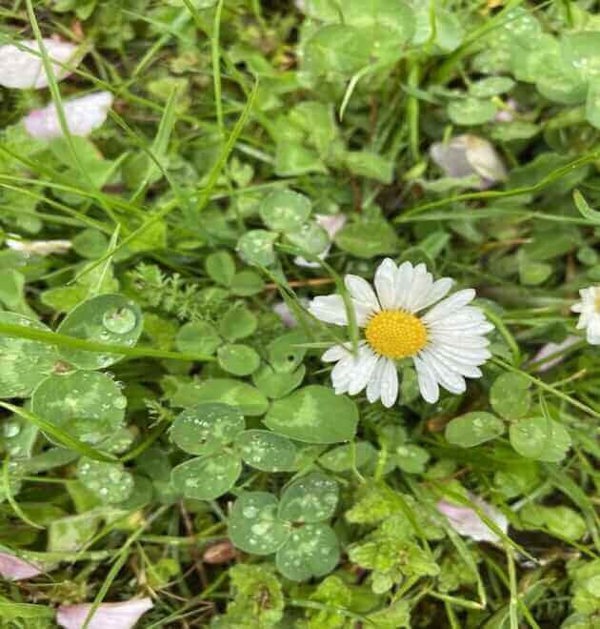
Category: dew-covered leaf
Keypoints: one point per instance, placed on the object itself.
(256, 247)
(247, 398)
(471, 111)
(311, 551)
(510, 395)
(473, 429)
(311, 498)
(254, 526)
(207, 477)
(411, 459)
(285, 210)
(314, 414)
(88, 405)
(266, 450)
(108, 481)
(540, 438)
(206, 428)
(23, 363)
(111, 319)
(310, 238)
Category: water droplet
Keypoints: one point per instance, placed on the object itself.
(11, 429)
(119, 320)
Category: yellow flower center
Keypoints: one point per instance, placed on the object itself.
(396, 334)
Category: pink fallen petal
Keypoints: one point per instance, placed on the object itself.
(550, 349)
(508, 113)
(466, 522)
(13, 568)
(83, 115)
(285, 314)
(107, 616)
(331, 223)
(39, 247)
(23, 69)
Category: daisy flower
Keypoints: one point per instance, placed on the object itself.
(446, 343)
(589, 313)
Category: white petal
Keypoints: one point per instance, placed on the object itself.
(82, 115)
(484, 159)
(577, 307)
(107, 616)
(459, 363)
(438, 290)
(329, 308)
(341, 375)
(331, 223)
(335, 353)
(361, 291)
(467, 522)
(458, 340)
(449, 379)
(403, 283)
(389, 383)
(421, 284)
(385, 284)
(23, 69)
(427, 382)
(363, 366)
(374, 385)
(449, 305)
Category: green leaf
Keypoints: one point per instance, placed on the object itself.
(258, 599)
(285, 210)
(311, 551)
(510, 396)
(370, 165)
(411, 459)
(311, 498)
(207, 477)
(23, 363)
(266, 451)
(247, 398)
(471, 111)
(206, 428)
(275, 384)
(220, 267)
(108, 481)
(540, 438)
(473, 429)
(256, 247)
(197, 337)
(105, 319)
(350, 455)
(238, 323)
(367, 238)
(491, 86)
(314, 414)
(286, 353)
(254, 526)
(592, 103)
(88, 405)
(310, 238)
(246, 283)
(581, 50)
(238, 359)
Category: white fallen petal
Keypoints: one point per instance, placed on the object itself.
(107, 616)
(83, 115)
(467, 155)
(466, 521)
(22, 67)
(14, 568)
(39, 247)
(553, 352)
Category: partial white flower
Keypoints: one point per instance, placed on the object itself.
(589, 317)
(83, 115)
(39, 247)
(508, 113)
(22, 67)
(13, 568)
(446, 344)
(467, 155)
(331, 223)
(467, 522)
(108, 615)
(553, 349)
